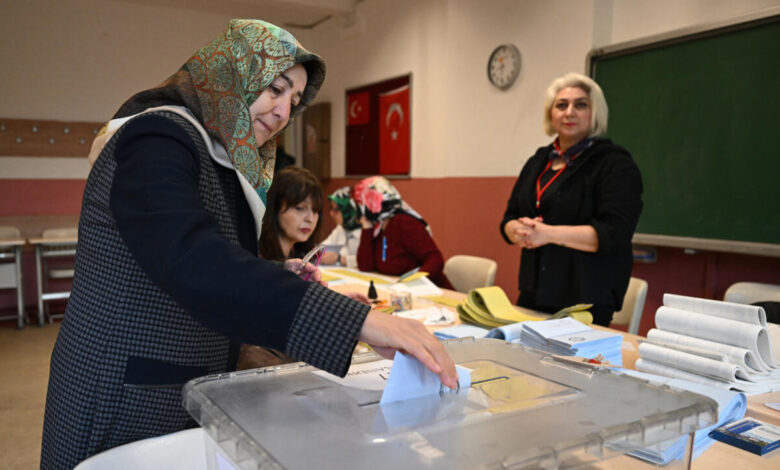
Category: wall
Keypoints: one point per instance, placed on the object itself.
(79, 60)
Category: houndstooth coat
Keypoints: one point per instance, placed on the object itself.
(147, 314)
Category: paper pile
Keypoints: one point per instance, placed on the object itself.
(568, 337)
(720, 344)
(490, 307)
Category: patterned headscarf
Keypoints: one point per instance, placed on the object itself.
(379, 200)
(221, 81)
(350, 213)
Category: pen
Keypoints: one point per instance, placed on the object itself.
(316, 263)
(384, 249)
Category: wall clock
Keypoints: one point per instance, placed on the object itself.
(504, 66)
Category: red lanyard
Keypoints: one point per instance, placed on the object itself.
(539, 189)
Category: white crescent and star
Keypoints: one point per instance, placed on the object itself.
(354, 108)
(394, 108)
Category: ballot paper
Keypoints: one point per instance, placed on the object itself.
(569, 337)
(409, 378)
(402, 378)
(731, 406)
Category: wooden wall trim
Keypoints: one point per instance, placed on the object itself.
(42, 138)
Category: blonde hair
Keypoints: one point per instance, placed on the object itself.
(598, 121)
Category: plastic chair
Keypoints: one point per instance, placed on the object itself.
(751, 292)
(179, 450)
(11, 242)
(469, 272)
(55, 243)
(633, 304)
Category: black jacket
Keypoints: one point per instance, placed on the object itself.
(602, 188)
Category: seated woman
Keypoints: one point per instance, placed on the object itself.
(342, 243)
(292, 221)
(395, 239)
(291, 227)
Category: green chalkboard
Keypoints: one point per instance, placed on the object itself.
(701, 117)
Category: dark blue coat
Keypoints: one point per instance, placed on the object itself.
(167, 282)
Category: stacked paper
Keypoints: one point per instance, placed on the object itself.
(568, 337)
(731, 406)
(563, 336)
(489, 307)
(720, 344)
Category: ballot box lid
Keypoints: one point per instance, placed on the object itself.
(525, 409)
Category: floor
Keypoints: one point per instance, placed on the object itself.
(24, 368)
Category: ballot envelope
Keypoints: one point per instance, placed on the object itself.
(525, 409)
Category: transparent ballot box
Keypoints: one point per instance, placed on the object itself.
(525, 409)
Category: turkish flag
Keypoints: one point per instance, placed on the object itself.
(394, 148)
(357, 109)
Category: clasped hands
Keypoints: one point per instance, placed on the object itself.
(528, 232)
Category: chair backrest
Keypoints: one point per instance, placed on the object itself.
(633, 304)
(68, 232)
(9, 233)
(751, 292)
(469, 272)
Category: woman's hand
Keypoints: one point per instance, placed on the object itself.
(534, 233)
(387, 334)
(365, 223)
(329, 257)
(305, 271)
(358, 296)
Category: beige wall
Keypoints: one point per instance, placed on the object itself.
(79, 59)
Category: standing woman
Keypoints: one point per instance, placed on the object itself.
(574, 207)
(395, 239)
(294, 219)
(167, 280)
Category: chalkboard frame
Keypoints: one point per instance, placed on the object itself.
(672, 38)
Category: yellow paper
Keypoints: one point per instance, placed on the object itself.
(444, 300)
(498, 305)
(329, 277)
(361, 276)
(414, 276)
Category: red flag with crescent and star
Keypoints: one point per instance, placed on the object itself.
(357, 109)
(394, 148)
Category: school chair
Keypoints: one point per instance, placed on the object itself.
(467, 272)
(177, 451)
(751, 292)
(633, 304)
(11, 242)
(54, 257)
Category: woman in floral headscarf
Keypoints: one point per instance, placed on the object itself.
(342, 243)
(395, 238)
(168, 282)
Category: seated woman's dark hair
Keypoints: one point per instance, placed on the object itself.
(291, 186)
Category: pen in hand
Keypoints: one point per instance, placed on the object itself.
(316, 263)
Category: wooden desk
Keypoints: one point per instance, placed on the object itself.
(719, 456)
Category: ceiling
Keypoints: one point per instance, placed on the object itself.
(292, 14)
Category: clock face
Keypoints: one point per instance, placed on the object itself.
(504, 66)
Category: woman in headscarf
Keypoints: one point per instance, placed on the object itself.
(395, 238)
(168, 282)
(574, 207)
(342, 243)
